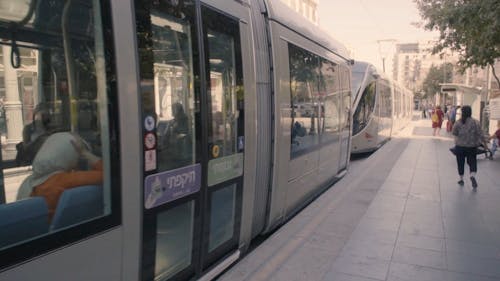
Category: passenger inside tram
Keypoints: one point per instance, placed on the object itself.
(34, 135)
(180, 123)
(57, 167)
(175, 139)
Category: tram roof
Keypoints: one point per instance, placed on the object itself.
(281, 13)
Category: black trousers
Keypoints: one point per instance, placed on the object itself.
(468, 153)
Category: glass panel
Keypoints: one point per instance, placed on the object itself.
(357, 79)
(330, 77)
(346, 111)
(226, 96)
(385, 99)
(304, 93)
(222, 216)
(173, 90)
(346, 99)
(174, 240)
(54, 128)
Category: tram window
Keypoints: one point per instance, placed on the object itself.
(226, 95)
(304, 103)
(346, 98)
(55, 134)
(167, 60)
(330, 96)
(397, 102)
(175, 231)
(385, 100)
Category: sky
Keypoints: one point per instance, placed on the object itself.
(359, 24)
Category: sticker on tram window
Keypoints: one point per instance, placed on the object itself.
(167, 186)
(150, 140)
(225, 168)
(149, 123)
(241, 143)
(215, 151)
(150, 160)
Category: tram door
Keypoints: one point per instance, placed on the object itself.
(192, 100)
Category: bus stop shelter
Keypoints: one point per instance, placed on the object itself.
(465, 95)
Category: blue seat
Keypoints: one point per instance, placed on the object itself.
(22, 220)
(77, 205)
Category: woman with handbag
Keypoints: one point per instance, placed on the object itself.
(468, 136)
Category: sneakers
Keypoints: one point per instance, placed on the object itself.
(461, 182)
(474, 182)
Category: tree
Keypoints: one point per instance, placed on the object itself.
(471, 28)
(437, 75)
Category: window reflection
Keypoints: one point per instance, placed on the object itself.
(174, 240)
(305, 103)
(55, 141)
(385, 99)
(226, 97)
(331, 100)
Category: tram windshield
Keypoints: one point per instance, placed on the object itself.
(357, 79)
(54, 129)
(364, 109)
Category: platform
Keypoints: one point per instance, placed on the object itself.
(397, 215)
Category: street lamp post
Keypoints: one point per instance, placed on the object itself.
(383, 51)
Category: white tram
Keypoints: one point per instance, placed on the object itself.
(214, 121)
(381, 108)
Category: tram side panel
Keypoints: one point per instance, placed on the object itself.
(302, 112)
(264, 118)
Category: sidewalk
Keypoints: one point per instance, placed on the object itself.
(397, 215)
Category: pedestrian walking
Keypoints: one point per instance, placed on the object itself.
(468, 136)
(495, 140)
(437, 117)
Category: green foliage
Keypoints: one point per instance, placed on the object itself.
(469, 27)
(437, 75)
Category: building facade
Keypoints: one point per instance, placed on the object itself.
(412, 62)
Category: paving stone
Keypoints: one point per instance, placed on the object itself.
(421, 242)
(338, 276)
(421, 257)
(362, 266)
(408, 272)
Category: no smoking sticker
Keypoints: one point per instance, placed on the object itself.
(150, 140)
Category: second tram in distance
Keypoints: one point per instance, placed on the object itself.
(381, 108)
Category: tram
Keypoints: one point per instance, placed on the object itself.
(154, 140)
(381, 108)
